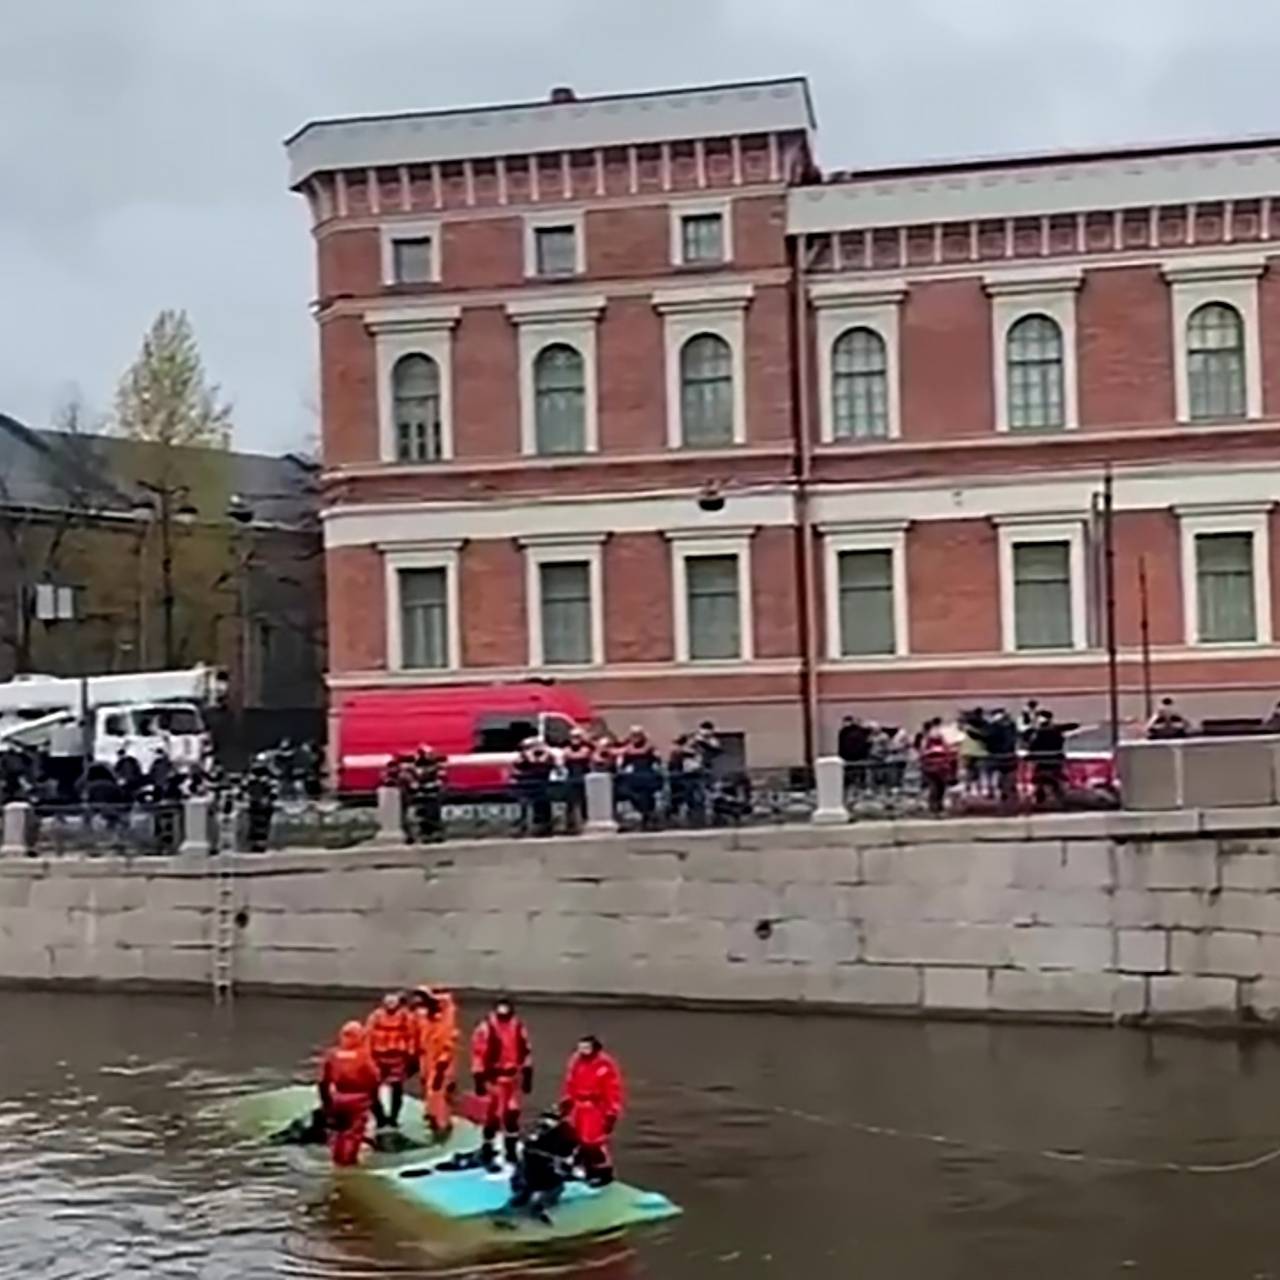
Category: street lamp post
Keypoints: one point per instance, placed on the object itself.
(165, 504)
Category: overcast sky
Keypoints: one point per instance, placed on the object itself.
(141, 165)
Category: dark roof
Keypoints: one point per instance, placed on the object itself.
(48, 470)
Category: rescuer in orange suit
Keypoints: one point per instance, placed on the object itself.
(592, 1100)
(393, 1042)
(348, 1092)
(437, 1017)
(502, 1070)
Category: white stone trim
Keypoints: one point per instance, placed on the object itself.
(1017, 294)
(681, 209)
(686, 543)
(546, 321)
(438, 554)
(1251, 518)
(535, 222)
(1232, 280)
(839, 538)
(390, 232)
(688, 312)
(612, 120)
(538, 551)
(998, 189)
(410, 330)
(840, 306)
(1022, 531)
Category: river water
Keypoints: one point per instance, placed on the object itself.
(799, 1147)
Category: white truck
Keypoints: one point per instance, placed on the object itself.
(143, 714)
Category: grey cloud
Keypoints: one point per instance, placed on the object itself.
(140, 139)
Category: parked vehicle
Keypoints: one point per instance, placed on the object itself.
(477, 728)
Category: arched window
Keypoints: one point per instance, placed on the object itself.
(1215, 363)
(1033, 355)
(560, 400)
(415, 396)
(860, 385)
(706, 391)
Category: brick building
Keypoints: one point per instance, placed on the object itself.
(625, 391)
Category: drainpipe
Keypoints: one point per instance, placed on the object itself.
(802, 478)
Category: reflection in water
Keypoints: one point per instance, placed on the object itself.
(804, 1146)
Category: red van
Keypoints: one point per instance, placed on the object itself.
(478, 728)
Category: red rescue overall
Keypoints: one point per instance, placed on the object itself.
(502, 1064)
(592, 1101)
(348, 1087)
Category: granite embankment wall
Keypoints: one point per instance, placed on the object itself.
(1110, 916)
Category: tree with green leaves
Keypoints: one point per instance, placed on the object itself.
(164, 398)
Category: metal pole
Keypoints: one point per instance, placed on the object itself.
(1145, 623)
(166, 576)
(1109, 565)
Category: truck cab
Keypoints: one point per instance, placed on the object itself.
(142, 730)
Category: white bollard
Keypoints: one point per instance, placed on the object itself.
(390, 816)
(600, 819)
(195, 827)
(17, 817)
(831, 810)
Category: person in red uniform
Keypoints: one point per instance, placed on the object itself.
(502, 1070)
(393, 1042)
(592, 1100)
(348, 1091)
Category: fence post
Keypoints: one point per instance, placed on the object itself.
(390, 816)
(195, 827)
(831, 809)
(17, 817)
(600, 819)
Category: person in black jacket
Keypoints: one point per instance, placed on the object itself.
(640, 770)
(853, 745)
(578, 756)
(1047, 750)
(531, 774)
(1002, 755)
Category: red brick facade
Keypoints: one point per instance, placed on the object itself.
(937, 493)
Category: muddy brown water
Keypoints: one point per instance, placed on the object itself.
(800, 1146)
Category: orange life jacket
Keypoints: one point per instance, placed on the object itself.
(438, 1035)
(349, 1071)
(392, 1033)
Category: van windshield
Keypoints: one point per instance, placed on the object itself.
(169, 720)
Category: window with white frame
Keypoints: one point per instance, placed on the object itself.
(1042, 585)
(704, 333)
(414, 357)
(565, 608)
(560, 400)
(1217, 338)
(706, 391)
(415, 395)
(422, 607)
(1033, 315)
(866, 590)
(424, 618)
(1226, 574)
(557, 344)
(1215, 363)
(554, 245)
(712, 586)
(701, 233)
(857, 331)
(860, 385)
(411, 253)
(1033, 366)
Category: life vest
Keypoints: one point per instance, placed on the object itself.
(391, 1033)
(500, 1048)
(595, 1080)
(348, 1071)
(438, 1032)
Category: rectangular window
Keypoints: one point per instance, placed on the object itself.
(715, 624)
(702, 238)
(566, 613)
(866, 602)
(424, 618)
(1225, 600)
(1042, 595)
(411, 260)
(556, 251)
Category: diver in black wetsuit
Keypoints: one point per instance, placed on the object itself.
(544, 1166)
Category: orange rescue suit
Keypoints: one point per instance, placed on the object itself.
(393, 1042)
(593, 1096)
(348, 1086)
(502, 1063)
(438, 1059)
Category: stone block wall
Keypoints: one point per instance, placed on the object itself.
(1107, 916)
